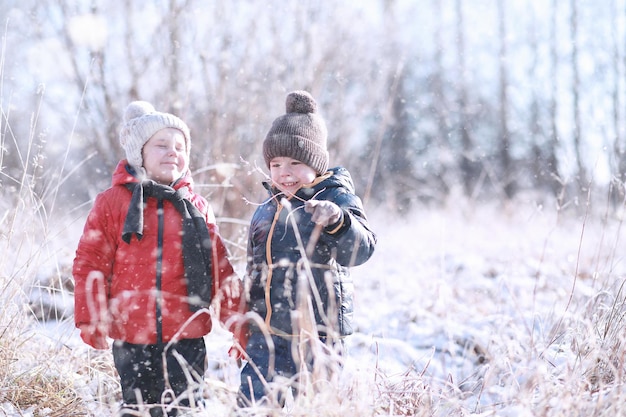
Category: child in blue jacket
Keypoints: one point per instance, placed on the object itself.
(302, 242)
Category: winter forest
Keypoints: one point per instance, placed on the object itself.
(511, 112)
(424, 99)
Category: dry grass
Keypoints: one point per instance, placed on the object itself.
(42, 392)
(528, 361)
(571, 364)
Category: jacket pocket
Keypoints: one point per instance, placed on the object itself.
(345, 300)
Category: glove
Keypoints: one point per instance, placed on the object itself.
(236, 353)
(238, 349)
(323, 212)
(94, 335)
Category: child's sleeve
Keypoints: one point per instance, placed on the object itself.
(352, 237)
(91, 270)
(227, 289)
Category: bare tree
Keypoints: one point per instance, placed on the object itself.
(504, 155)
(467, 164)
(576, 89)
(553, 138)
(619, 148)
(440, 106)
(543, 161)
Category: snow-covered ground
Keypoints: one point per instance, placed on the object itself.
(484, 302)
(490, 308)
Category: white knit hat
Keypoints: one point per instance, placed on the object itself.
(141, 122)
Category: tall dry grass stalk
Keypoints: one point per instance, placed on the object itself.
(41, 371)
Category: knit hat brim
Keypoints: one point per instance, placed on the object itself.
(299, 134)
(296, 147)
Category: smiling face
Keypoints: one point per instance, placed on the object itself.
(289, 174)
(165, 156)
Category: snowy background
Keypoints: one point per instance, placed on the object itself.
(473, 129)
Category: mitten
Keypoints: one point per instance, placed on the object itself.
(323, 212)
(94, 336)
(240, 336)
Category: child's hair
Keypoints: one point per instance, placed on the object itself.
(299, 134)
(141, 122)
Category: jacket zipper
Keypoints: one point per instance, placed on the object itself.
(270, 266)
(159, 265)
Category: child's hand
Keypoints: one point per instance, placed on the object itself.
(240, 340)
(236, 353)
(237, 350)
(94, 336)
(323, 212)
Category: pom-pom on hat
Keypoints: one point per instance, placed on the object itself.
(141, 122)
(299, 134)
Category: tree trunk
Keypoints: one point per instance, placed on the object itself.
(466, 164)
(504, 146)
(553, 140)
(577, 134)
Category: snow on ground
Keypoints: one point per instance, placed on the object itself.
(456, 294)
(475, 299)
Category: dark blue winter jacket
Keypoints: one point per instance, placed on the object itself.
(281, 265)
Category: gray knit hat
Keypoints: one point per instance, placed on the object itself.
(141, 122)
(299, 134)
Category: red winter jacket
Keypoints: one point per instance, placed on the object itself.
(116, 283)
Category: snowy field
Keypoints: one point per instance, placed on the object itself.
(468, 310)
(497, 311)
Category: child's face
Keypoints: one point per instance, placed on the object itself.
(289, 174)
(165, 156)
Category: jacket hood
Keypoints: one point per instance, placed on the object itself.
(335, 177)
(125, 174)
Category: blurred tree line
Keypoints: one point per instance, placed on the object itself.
(424, 100)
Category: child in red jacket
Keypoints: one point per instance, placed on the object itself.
(149, 264)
